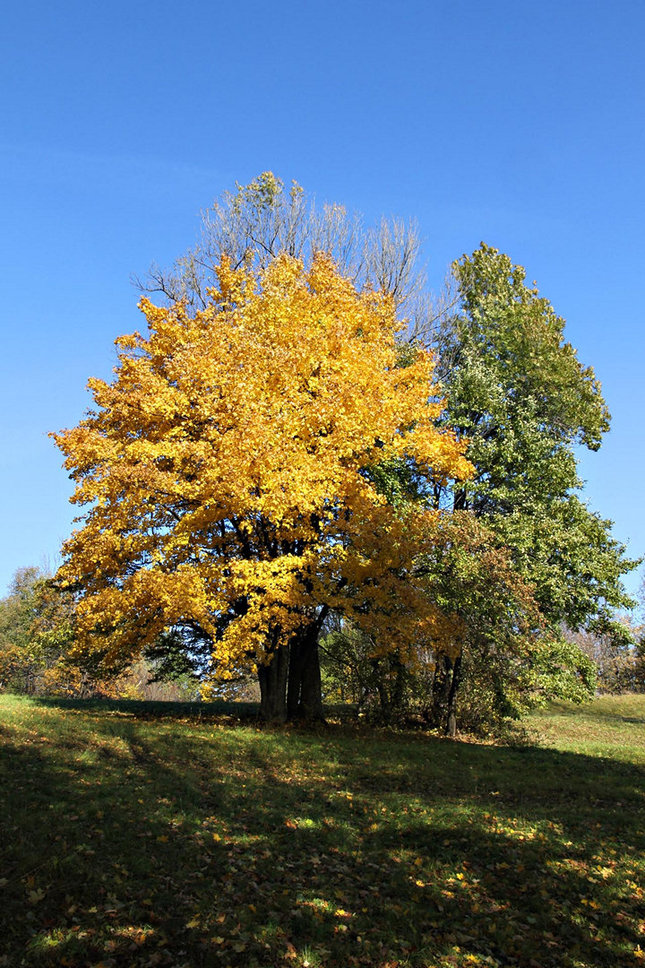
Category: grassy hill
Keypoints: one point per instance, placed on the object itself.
(129, 836)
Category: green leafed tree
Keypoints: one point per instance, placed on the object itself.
(35, 633)
(516, 391)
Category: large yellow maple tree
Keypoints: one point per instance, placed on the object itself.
(227, 477)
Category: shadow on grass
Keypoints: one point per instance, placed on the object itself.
(157, 709)
(131, 842)
(218, 709)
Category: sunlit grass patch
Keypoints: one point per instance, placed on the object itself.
(612, 726)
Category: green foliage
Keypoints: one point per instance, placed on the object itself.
(561, 670)
(17, 610)
(176, 656)
(35, 630)
(516, 391)
(497, 689)
(570, 556)
(533, 376)
(383, 688)
(36, 639)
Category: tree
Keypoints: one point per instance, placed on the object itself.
(19, 660)
(230, 474)
(263, 219)
(501, 662)
(616, 661)
(517, 393)
(35, 632)
(470, 572)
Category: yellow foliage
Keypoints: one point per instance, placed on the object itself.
(225, 471)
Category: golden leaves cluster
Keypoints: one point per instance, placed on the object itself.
(224, 469)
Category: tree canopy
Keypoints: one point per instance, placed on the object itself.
(36, 623)
(517, 393)
(299, 438)
(228, 476)
(264, 219)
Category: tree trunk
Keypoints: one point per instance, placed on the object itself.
(451, 722)
(398, 689)
(440, 691)
(390, 686)
(304, 695)
(273, 685)
(385, 706)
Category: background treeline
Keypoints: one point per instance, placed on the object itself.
(528, 575)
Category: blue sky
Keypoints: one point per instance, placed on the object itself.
(520, 124)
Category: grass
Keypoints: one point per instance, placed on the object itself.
(612, 727)
(129, 836)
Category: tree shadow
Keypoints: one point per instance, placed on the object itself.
(158, 709)
(130, 842)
